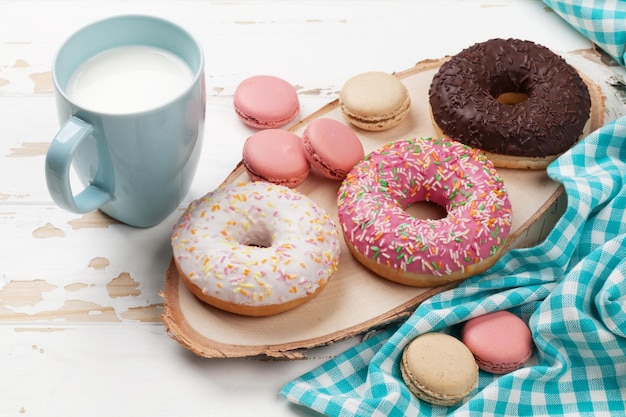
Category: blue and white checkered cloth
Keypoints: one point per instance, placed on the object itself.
(601, 21)
(571, 289)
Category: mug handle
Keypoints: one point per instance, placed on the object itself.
(58, 162)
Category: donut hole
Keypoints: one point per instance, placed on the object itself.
(260, 237)
(509, 90)
(512, 98)
(426, 210)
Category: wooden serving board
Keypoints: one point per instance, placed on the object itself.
(356, 300)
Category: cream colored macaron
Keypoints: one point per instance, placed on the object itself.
(439, 368)
(374, 101)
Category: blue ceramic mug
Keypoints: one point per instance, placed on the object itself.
(135, 165)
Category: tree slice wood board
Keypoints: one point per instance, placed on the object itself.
(356, 300)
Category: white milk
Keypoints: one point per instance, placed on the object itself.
(129, 79)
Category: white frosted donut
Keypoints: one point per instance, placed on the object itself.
(255, 248)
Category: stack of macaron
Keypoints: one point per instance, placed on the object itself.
(282, 157)
(371, 101)
(442, 369)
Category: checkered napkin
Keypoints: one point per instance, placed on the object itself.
(571, 289)
(602, 21)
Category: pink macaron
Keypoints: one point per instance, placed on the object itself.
(332, 147)
(277, 156)
(266, 102)
(501, 342)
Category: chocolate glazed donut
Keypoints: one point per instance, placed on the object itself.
(510, 97)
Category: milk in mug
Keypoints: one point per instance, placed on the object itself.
(129, 79)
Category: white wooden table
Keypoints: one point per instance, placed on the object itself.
(80, 329)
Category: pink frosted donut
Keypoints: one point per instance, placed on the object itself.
(424, 252)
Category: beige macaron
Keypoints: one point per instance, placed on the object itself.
(439, 368)
(374, 101)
